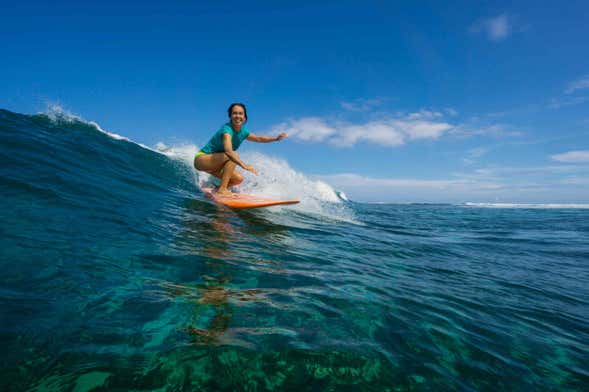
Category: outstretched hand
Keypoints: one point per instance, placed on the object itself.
(283, 135)
(250, 168)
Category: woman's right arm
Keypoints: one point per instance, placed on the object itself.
(234, 156)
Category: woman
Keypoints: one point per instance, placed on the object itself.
(219, 156)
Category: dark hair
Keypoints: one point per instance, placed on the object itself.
(237, 104)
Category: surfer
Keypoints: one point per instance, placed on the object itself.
(219, 156)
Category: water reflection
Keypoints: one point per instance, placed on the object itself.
(221, 234)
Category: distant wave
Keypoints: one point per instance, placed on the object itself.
(526, 205)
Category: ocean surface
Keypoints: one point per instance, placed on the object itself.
(117, 274)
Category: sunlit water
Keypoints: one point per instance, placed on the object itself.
(118, 274)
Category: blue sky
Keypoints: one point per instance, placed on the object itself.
(477, 101)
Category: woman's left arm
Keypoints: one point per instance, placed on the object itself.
(252, 137)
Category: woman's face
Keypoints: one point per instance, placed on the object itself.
(237, 116)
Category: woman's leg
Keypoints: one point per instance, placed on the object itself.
(217, 165)
(211, 163)
(228, 170)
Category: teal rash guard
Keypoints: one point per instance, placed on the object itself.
(216, 143)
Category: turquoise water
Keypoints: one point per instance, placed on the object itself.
(117, 274)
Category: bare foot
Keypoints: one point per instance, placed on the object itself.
(224, 192)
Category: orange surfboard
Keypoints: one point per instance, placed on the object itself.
(239, 200)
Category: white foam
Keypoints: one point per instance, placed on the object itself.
(182, 152)
(527, 205)
(278, 180)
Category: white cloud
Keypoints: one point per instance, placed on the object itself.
(312, 129)
(497, 130)
(496, 29)
(424, 114)
(572, 156)
(558, 103)
(580, 84)
(494, 171)
(569, 99)
(423, 129)
(375, 132)
(389, 132)
(361, 104)
(474, 154)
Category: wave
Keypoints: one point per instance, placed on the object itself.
(57, 114)
(75, 146)
(527, 205)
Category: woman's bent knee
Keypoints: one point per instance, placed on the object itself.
(236, 178)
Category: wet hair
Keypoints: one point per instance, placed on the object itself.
(237, 104)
